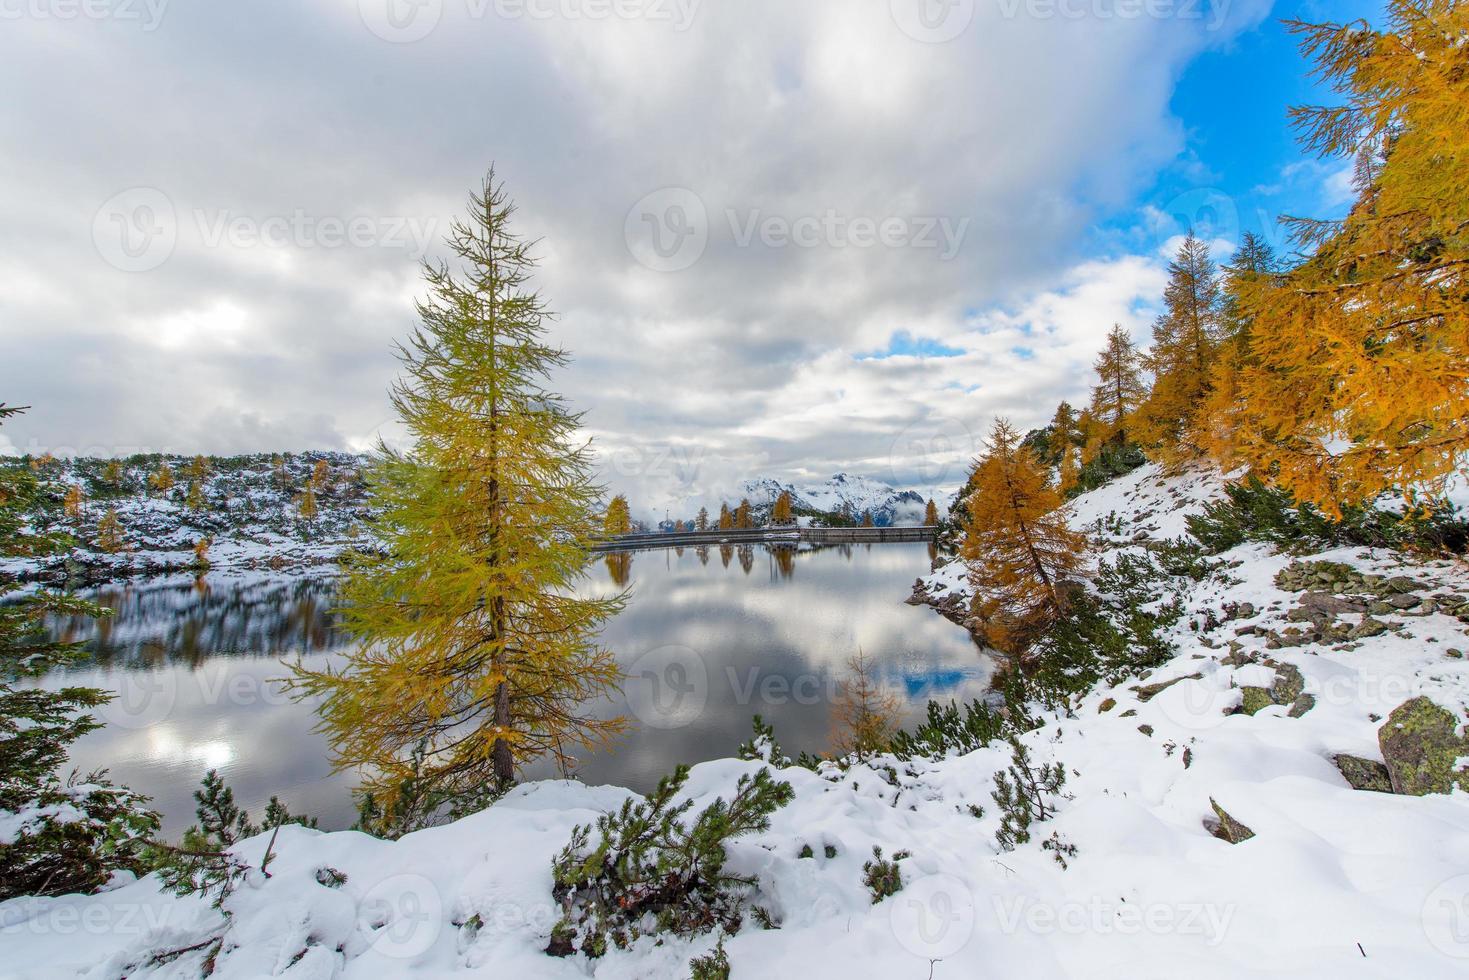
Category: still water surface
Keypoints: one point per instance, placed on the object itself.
(709, 638)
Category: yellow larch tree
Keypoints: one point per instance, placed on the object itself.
(110, 536)
(744, 515)
(618, 519)
(476, 653)
(782, 512)
(931, 514)
(162, 479)
(1359, 373)
(72, 504)
(864, 713)
(306, 506)
(1017, 545)
(726, 518)
(1186, 338)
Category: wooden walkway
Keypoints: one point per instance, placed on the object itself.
(765, 535)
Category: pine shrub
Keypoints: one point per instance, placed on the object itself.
(652, 872)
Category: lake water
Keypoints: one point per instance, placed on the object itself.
(709, 638)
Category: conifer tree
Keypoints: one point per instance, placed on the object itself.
(162, 480)
(1185, 345)
(1118, 392)
(701, 523)
(726, 519)
(1357, 381)
(1017, 544)
(867, 518)
(198, 470)
(195, 499)
(864, 714)
(619, 517)
(320, 474)
(113, 474)
(782, 512)
(72, 504)
(477, 652)
(744, 515)
(1068, 473)
(61, 835)
(931, 514)
(109, 533)
(306, 505)
(1061, 432)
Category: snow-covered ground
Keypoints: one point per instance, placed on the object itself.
(1336, 882)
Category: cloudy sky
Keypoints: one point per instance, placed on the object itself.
(785, 237)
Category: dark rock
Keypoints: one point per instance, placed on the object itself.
(1149, 691)
(1107, 705)
(1229, 829)
(1301, 705)
(1255, 699)
(1289, 684)
(1420, 744)
(1369, 627)
(1405, 600)
(1364, 774)
(1146, 730)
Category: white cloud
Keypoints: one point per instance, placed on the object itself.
(1029, 130)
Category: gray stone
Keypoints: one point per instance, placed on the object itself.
(1363, 774)
(1149, 691)
(1228, 828)
(1301, 705)
(1255, 699)
(1289, 684)
(1420, 744)
(1369, 627)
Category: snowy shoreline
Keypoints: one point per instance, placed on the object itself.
(1220, 741)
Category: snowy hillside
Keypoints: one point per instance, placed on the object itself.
(855, 495)
(251, 510)
(1211, 805)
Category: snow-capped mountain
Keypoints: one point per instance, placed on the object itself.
(889, 506)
